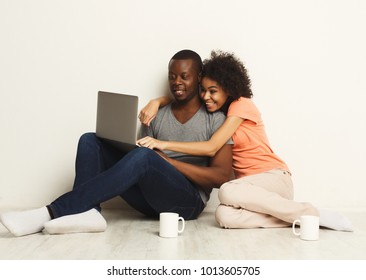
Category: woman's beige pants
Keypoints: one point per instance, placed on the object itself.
(261, 200)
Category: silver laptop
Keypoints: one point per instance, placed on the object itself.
(117, 119)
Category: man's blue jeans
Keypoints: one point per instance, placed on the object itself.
(141, 177)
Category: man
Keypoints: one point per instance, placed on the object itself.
(150, 181)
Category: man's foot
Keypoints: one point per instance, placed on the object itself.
(25, 222)
(89, 221)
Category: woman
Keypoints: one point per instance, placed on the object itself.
(262, 193)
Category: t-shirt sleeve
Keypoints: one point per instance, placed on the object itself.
(244, 108)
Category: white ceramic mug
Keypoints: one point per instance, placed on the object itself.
(169, 223)
(309, 227)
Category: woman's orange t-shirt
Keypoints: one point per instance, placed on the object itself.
(252, 153)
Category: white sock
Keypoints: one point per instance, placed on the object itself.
(25, 222)
(334, 220)
(89, 221)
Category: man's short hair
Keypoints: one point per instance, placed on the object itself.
(189, 54)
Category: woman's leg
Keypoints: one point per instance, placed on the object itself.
(231, 217)
(264, 197)
(266, 200)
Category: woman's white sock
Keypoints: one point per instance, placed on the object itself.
(89, 221)
(334, 220)
(25, 222)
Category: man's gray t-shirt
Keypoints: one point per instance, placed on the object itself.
(199, 128)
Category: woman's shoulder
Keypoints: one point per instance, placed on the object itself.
(242, 103)
(245, 108)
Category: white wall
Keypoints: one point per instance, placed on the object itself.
(306, 60)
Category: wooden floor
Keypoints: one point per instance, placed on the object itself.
(130, 236)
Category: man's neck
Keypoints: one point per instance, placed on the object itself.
(184, 111)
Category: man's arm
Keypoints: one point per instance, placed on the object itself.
(218, 172)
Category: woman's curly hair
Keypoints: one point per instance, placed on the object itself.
(230, 74)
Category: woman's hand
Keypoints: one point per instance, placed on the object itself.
(151, 143)
(148, 113)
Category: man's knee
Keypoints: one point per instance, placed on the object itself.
(143, 157)
(143, 153)
(87, 138)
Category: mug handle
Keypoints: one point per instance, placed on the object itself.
(183, 225)
(293, 227)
